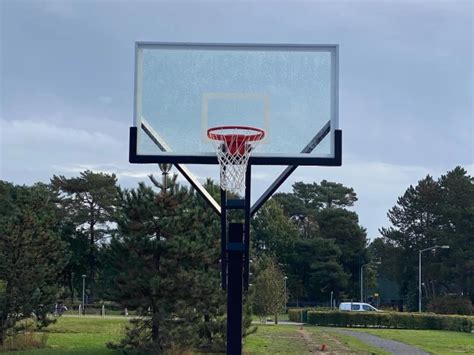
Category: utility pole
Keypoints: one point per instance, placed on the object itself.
(419, 269)
(83, 294)
(362, 278)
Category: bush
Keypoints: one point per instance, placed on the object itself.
(295, 314)
(451, 305)
(301, 314)
(24, 341)
(391, 320)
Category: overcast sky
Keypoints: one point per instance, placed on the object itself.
(406, 85)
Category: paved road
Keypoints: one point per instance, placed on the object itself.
(96, 316)
(391, 346)
(282, 322)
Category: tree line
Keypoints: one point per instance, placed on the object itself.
(435, 212)
(155, 249)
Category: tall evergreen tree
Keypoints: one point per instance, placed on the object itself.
(457, 224)
(32, 255)
(320, 212)
(342, 227)
(324, 195)
(90, 201)
(274, 233)
(165, 259)
(314, 269)
(428, 214)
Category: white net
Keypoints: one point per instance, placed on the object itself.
(233, 146)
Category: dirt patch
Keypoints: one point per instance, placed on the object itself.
(311, 345)
(338, 346)
(322, 343)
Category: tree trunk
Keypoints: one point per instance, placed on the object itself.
(207, 332)
(155, 330)
(71, 288)
(2, 333)
(276, 318)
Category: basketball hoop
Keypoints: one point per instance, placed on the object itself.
(233, 145)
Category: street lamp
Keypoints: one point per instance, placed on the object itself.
(362, 278)
(83, 294)
(286, 294)
(419, 269)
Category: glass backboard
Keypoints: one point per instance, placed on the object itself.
(182, 90)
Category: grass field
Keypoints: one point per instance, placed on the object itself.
(433, 341)
(77, 335)
(88, 335)
(290, 339)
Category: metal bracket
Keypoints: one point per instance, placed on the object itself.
(160, 143)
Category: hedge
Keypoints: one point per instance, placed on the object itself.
(391, 320)
(295, 314)
(451, 305)
(301, 314)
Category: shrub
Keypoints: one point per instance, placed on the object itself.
(391, 320)
(24, 341)
(295, 314)
(451, 305)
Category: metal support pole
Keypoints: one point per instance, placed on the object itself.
(247, 228)
(223, 239)
(235, 251)
(72, 288)
(83, 294)
(419, 281)
(361, 275)
(419, 269)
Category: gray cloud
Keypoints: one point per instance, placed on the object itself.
(66, 75)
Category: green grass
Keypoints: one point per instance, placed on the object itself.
(355, 344)
(290, 339)
(275, 339)
(434, 341)
(88, 335)
(80, 336)
(271, 319)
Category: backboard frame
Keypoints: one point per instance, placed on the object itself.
(235, 237)
(334, 158)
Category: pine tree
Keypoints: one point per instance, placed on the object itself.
(319, 211)
(342, 227)
(274, 233)
(415, 221)
(165, 259)
(90, 201)
(434, 212)
(456, 266)
(32, 255)
(315, 265)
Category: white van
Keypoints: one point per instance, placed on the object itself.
(357, 307)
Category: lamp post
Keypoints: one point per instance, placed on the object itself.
(362, 278)
(83, 294)
(286, 293)
(419, 269)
